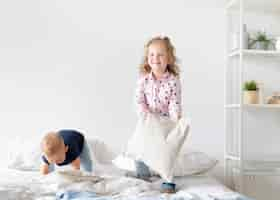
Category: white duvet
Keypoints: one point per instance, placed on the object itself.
(19, 185)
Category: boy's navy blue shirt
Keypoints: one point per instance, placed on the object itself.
(75, 142)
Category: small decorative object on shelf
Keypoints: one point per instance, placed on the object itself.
(274, 99)
(261, 41)
(250, 93)
(260, 87)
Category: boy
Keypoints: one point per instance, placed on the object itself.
(65, 147)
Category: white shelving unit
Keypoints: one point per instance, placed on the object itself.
(257, 106)
(245, 124)
(247, 52)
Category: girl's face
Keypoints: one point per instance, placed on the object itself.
(157, 57)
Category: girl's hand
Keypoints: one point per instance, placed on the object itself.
(145, 110)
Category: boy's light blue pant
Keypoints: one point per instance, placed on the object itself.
(85, 157)
(142, 170)
(75, 195)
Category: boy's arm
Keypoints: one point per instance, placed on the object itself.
(44, 169)
(76, 163)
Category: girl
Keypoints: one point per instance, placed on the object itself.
(158, 90)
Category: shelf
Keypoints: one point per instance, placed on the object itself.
(245, 152)
(253, 52)
(229, 106)
(261, 168)
(271, 166)
(269, 106)
(255, 5)
(261, 172)
(268, 162)
(257, 106)
(231, 157)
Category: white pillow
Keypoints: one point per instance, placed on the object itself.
(157, 142)
(193, 162)
(25, 154)
(124, 162)
(101, 151)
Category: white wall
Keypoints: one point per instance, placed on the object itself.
(73, 64)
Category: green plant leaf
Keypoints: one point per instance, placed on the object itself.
(250, 86)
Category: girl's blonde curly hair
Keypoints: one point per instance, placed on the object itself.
(172, 66)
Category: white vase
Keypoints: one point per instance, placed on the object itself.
(245, 41)
(277, 45)
(236, 39)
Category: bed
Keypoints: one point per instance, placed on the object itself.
(30, 185)
(21, 180)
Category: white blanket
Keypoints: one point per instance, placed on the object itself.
(22, 185)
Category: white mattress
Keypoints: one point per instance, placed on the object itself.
(18, 185)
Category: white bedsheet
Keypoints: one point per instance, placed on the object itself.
(18, 185)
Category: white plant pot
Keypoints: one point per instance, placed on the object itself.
(262, 45)
(277, 45)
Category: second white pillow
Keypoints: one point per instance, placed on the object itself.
(193, 162)
(157, 142)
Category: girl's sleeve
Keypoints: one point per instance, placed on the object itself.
(175, 105)
(141, 103)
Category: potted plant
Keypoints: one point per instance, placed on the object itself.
(250, 92)
(261, 41)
